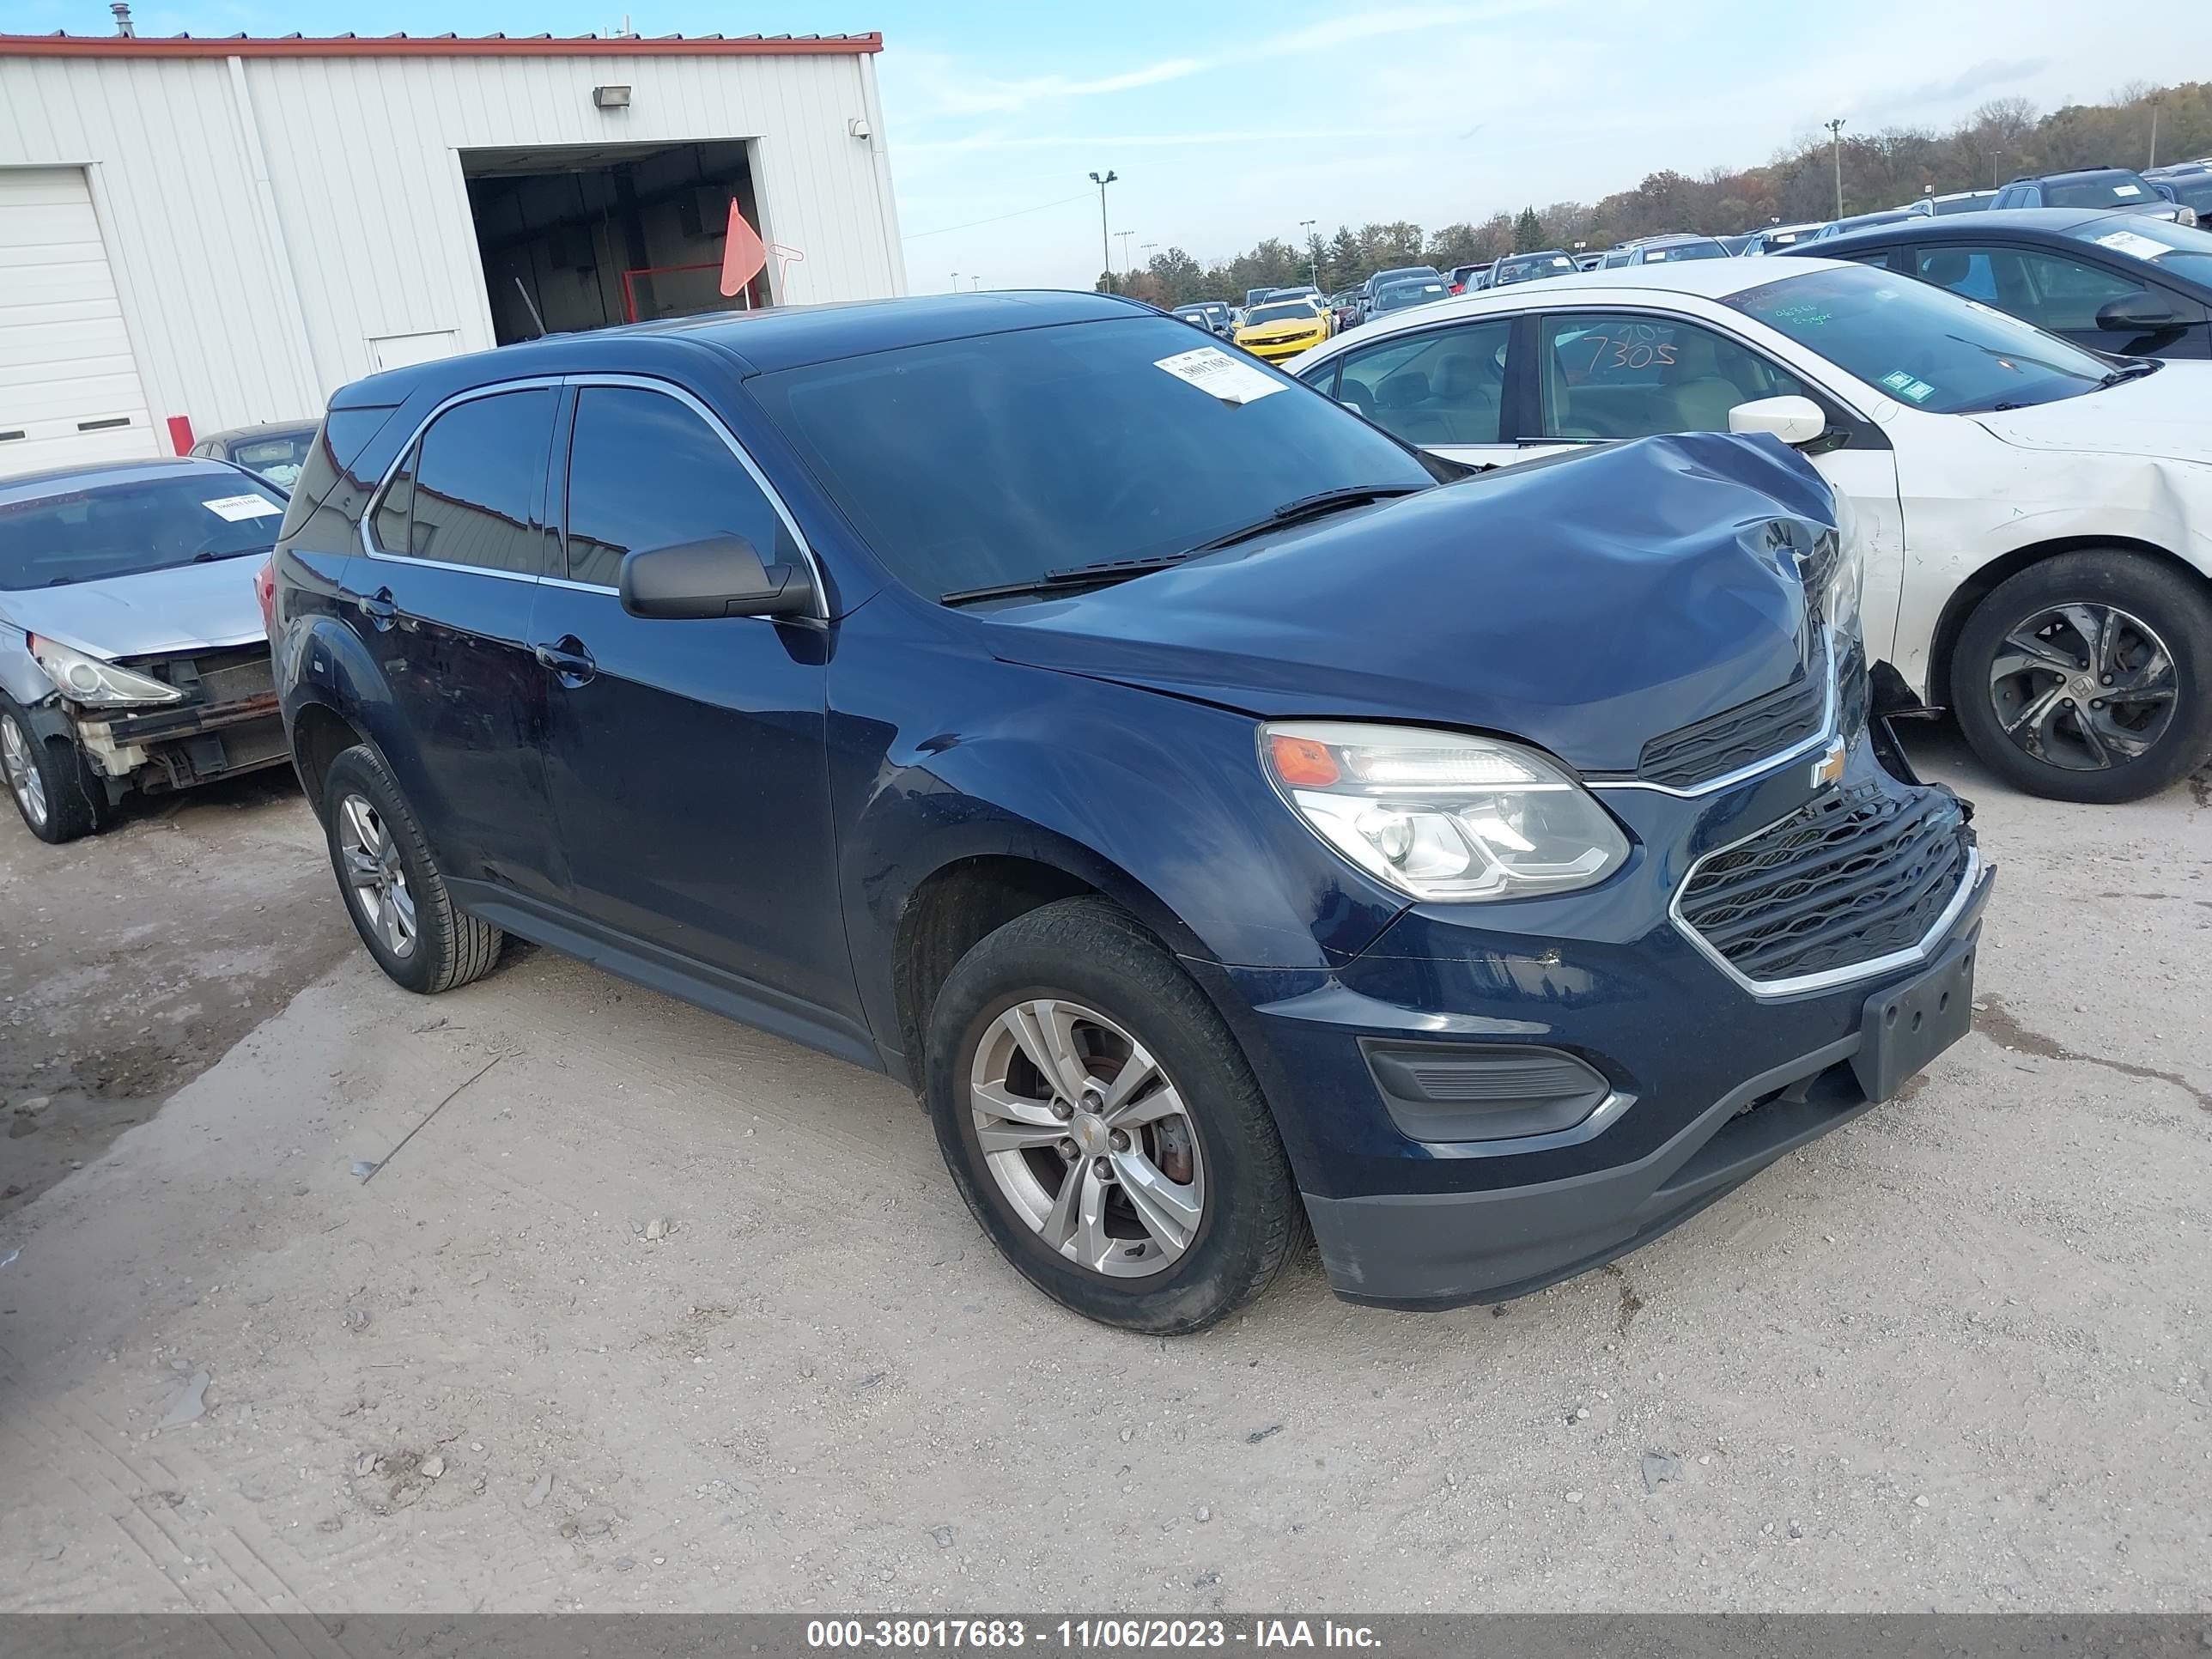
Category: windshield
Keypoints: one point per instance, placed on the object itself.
(2186, 250)
(1973, 204)
(2105, 190)
(1399, 295)
(973, 463)
(145, 524)
(1301, 310)
(1681, 250)
(278, 457)
(1535, 264)
(1926, 347)
(1404, 273)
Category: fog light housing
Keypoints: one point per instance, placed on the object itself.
(1477, 1091)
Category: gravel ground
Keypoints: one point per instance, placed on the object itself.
(649, 1310)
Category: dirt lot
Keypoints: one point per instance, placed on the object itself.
(652, 1311)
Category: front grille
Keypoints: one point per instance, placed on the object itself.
(1737, 737)
(1854, 875)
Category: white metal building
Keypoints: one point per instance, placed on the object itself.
(226, 229)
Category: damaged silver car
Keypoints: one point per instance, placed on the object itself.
(134, 654)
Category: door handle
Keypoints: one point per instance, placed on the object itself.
(380, 608)
(567, 660)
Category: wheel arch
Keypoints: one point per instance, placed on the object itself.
(970, 892)
(320, 735)
(1977, 586)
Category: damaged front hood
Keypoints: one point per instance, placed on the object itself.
(2165, 415)
(191, 607)
(1586, 604)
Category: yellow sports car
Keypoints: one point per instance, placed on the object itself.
(1282, 328)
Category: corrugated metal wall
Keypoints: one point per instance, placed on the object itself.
(267, 218)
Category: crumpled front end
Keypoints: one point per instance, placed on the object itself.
(225, 722)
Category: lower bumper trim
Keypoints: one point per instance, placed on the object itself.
(1437, 1250)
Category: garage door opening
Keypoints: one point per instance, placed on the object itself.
(585, 236)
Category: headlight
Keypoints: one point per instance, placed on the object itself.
(1441, 816)
(1834, 575)
(93, 680)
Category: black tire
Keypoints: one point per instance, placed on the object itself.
(1089, 952)
(2171, 604)
(449, 947)
(74, 799)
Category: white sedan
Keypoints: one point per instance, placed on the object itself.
(2036, 519)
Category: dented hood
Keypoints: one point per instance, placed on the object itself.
(188, 607)
(2166, 416)
(1585, 604)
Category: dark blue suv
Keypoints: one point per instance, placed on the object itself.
(1229, 821)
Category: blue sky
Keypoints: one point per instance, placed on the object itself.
(1237, 120)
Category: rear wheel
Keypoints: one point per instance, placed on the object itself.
(1102, 1124)
(52, 785)
(393, 890)
(2088, 677)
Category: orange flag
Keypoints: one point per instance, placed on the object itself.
(742, 253)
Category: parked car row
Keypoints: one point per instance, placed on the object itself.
(1481, 954)
(2174, 193)
(693, 650)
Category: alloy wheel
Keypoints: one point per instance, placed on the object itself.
(21, 766)
(375, 875)
(1088, 1137)
(2084, 686)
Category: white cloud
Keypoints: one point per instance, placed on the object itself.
(948, 89)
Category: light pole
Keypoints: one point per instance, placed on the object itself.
(1128, 264)
(1996, 155)
(1313, 259)
(2154, 134)
(1835, 149)
(956, 282)
(1105, 247)
(975, 282)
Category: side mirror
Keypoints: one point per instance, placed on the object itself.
(2138, 313)
(720, 576)
(1793, 419)
(2166, 190)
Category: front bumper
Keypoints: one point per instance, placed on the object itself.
(1703, 1078)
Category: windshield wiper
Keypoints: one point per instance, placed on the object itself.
(1110, 571)
(1104, 574)
(2133, 371)
(1309, 507)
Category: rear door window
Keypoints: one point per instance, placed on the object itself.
(1443, 385)
(1620, 375)
(468, 492)
(646, 470)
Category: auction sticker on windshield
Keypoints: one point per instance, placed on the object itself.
(238, 508)
(1212, 369)
(2127, 241)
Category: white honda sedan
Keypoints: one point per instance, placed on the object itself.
(2036, 519)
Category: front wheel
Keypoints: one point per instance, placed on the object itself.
(49, 779)
(2089, 677)
(1102, 1125)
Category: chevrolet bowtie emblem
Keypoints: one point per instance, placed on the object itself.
(1829, 768)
